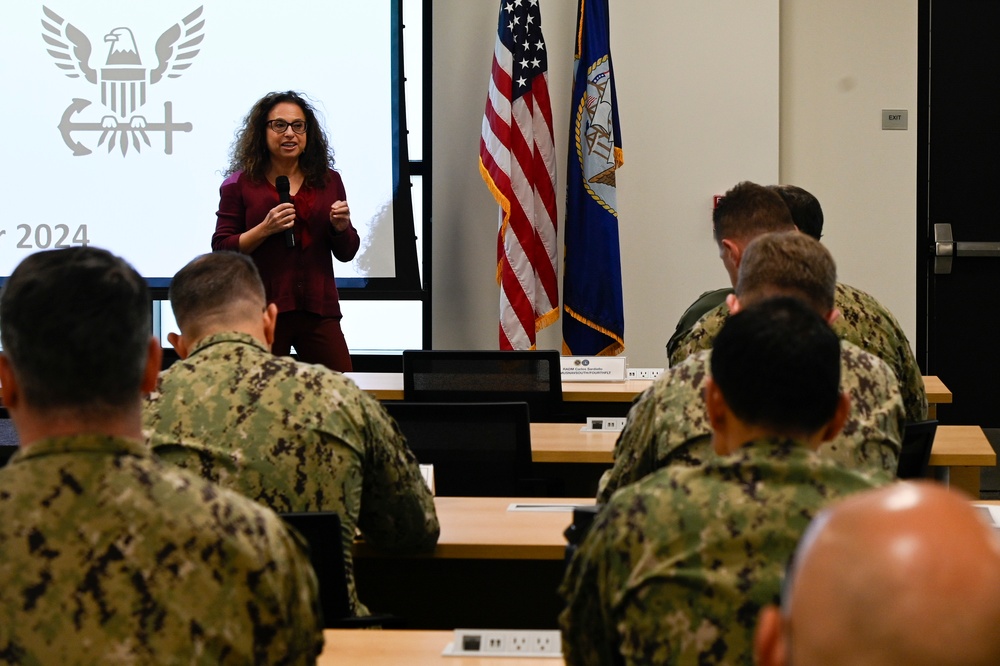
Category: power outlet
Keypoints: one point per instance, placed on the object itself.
(605, 423)
(494, 642)
(505, 643)
(644, 373)
(519, 643)
(546, 643)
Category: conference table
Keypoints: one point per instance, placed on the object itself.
(496, 567)
(389, 386)
(937, 394)
(407, 647)
(486, 528)
(962, 450)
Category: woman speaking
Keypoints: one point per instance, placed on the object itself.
(284, 205)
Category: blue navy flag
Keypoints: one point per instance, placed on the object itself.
(592, 282)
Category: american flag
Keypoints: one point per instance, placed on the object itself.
(516, 159)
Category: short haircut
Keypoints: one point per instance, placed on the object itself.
(804, 207)
(76, 326)
(748, 210)
(215, 285)
(787, 263)
(777, 364)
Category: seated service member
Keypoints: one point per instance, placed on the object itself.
(668, 424)
(921, 589)
(758, 211)
(293, 436)
(863, 321)
(677, 566)
(107, 554)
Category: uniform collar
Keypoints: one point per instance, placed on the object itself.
(105, 444)
(229, 337)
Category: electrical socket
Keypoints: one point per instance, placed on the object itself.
(546, 643)
(494, 642)
(644, 373)
(606, 423)
(506, 643)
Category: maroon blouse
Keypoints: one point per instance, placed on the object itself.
(295, 278)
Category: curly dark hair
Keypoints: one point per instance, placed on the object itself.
(249, 150)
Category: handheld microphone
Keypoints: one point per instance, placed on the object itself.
(284, 196)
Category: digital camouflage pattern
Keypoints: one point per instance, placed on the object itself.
(295, 437)
(863, 321)
(707, 301)
(676, 567)
(668, 424)
(110, 556)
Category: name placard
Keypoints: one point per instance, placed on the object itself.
(593, 368)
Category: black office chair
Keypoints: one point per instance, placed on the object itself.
(915, 455)
(531, 376)
(321, 530)
(477, 449)
(583, 518)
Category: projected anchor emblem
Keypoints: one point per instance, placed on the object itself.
(122, 80)
(118, 133)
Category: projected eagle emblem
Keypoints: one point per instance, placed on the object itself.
(122, 79)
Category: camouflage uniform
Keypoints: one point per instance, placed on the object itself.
(707, 301)
(863, 321)
(295, 437)
(108, 555)
(668, 424)
(676, 567)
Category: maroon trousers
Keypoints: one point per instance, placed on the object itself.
(316, 339)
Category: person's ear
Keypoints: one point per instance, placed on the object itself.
(833, 316)
(179, 343)
(769, 648)
(154, 361)
(836, 424)
(11, 390)
(270, 321)
(733, 303)
(734, 251)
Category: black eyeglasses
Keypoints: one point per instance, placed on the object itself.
(278, 125)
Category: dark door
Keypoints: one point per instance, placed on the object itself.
(958, 185)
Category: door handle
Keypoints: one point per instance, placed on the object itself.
(945, 249)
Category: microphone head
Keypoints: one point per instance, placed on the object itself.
(282, 185)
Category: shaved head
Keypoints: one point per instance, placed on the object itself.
(906, 574)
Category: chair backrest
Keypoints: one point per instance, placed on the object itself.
(477, 449)
(583, 518)
(321, 530)
(531, 376)
(914, 457)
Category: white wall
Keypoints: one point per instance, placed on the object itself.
(842, 63)
(702, 86)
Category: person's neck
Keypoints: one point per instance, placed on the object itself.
(279, 167)
(253, 329)
(740, 434)
(34, 425)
